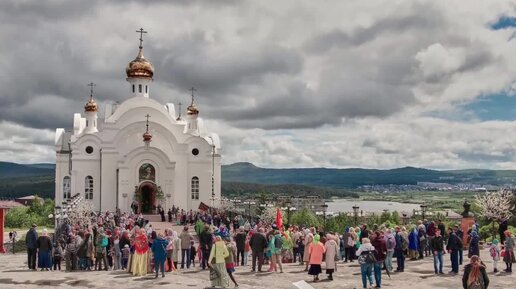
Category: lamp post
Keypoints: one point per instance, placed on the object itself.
(423, 211)
(355, 213)
(212, 174)
(288, 203)
(325, 207)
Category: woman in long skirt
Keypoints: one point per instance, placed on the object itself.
(508, 258)
(218, 255)
(331, 253)
(44, 246)
(316, 252)
(306, 256)
(140, 260)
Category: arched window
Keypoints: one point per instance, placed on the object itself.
(67, 192)
(139, 88)
(88, 188)
(146, 90)
(195, 188)
(133, 88)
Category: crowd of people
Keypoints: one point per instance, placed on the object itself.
(126, 241)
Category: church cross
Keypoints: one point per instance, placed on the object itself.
(91, 85)
(141, 31)
(147, 125)
(193, 90)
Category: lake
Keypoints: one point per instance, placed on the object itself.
(345, 205)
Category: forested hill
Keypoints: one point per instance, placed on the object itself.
(240, 178)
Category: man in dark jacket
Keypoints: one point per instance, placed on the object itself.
(240, 244)
(437, 247)
(205, 243)
(453, 247)
(399, 251)
(31, 243)
(380, 252)
(460, 235)
(258, 243)
(364, 233)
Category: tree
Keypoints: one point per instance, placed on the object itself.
(496, 206)
(305, 218)
(262, 203)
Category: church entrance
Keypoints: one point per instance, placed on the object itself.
(147, 194)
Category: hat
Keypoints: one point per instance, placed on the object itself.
(126, 246)
(34, 225)
(495, 241)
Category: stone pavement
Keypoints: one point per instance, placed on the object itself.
(418, 274)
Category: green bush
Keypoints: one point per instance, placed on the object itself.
(37, 213)
(305, 218)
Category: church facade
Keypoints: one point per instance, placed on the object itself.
(138, 153)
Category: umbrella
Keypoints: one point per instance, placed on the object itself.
(386, 269)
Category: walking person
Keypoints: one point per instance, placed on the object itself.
(205, 244)
(309, 238)
(231, 259)
(44, 246)
(508, 258)
(475, 275)
(474, 248)
(316, 252)
(159, 251)
(275, 248)
(453, 247)
(460, 235)
(217, 262)
(185, 238)
(177, 248)
(30, 241)
(494, 252)
(240, 245)
(380, 253)
(437, 247)
(399, 250)
(331, 256)
(366, 260)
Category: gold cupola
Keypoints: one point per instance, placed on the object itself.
(91, 105)
(140, 67)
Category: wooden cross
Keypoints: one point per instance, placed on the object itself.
(91, 85)
(141, 31)
(192, 90)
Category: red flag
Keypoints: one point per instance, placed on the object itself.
(279, 220)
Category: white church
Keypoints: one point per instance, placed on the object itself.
(139, 152)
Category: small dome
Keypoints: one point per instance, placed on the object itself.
(140, 67)
(91, 105)
(192, 109)
(147, 136)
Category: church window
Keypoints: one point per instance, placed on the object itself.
(87, 123)
(67, 192)
(195, 152)
(146, 90)
(88, 191)
(89, 149)
(195, 188)
(133, 88)
(139, 88)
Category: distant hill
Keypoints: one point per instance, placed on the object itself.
(246, 178)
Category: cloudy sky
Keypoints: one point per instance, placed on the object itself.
(374, 84)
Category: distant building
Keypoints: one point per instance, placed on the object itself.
(27, 201)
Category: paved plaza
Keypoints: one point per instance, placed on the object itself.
(418, 274)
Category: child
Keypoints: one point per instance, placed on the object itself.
(126, 252)
(192, 252)
(57, 255)
(494, 252)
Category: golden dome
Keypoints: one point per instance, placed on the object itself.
(140, 67)
(91, 105)
(192, 109)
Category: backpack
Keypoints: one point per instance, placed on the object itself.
(492, 252)
(367, 257)
(278, 242)
(404, 244)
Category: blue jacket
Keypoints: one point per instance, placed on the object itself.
(31, 239)
(159, 250)
(413, 241)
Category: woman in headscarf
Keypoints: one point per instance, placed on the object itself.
(44, 246)
(159, 252)
(217, 263)
(140, 259)
(413, 243)
(474, 249)
(508, 258)
(308, 240)
(331, 249)
(316, 252)
(475, 275)
(177, 248)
